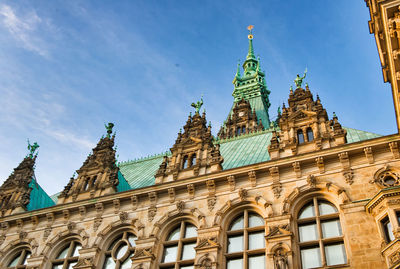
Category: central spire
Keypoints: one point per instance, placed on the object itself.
(250, 54)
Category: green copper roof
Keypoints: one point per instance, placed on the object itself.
(123, 185)
(38, 197)
(238, 151)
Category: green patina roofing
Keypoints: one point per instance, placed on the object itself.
(38, 197)
(238, 151)
(123, 185)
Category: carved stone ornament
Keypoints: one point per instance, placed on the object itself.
(311, 181)
(386, 177)
(211, 201)
(394, 258)
(151, 213)
(348, 175)
(279, 230)
(84, 263)
(207, 243)
(180, 205)
(242, 194)
(281, 259)
(143, 253)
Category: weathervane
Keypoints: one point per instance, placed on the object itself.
(250, 27)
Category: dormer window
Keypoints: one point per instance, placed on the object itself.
(300, 136)
(310, 135)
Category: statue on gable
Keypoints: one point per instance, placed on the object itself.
(299, 80)
(32, 149)
(198, 105)
(109, 128)
(280, 259)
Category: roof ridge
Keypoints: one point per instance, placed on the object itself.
(243, 136)
(145, 158)
(362, 131)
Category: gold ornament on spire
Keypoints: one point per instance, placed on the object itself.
(250, 27)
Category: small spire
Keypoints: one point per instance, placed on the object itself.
(258, 64)
(238, 70)
(250, 54)
(334, 115)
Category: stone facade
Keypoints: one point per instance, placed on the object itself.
(312, 167)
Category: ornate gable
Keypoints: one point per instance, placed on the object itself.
(243, 120)
(15, 191)
(98, 174)
(193, 153)
(304, 125)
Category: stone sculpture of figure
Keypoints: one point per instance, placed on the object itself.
(198, 105)
(280, 260)
(109, 129)
(32, 148)
(299, 80)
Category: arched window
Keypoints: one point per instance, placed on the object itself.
(120, 251)
(243, 129)
(67, 257)
(238, 129)
(245, 242)
(19, 260)
(86, 184)
(94, 178)
(320, 235)
(185, 162)
(300, 136)
(310, 135)
(193, 160)
(179, 246)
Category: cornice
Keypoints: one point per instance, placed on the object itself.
(380, 196)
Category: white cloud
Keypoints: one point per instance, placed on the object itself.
(24, 29)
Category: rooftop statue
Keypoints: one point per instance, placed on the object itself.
(198, 105)
(299, 80)
(32, 148)
(109, 129)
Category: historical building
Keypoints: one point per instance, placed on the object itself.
(302, 191)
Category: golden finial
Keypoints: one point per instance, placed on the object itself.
(250, 27)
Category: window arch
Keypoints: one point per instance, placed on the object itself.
(310, 134)
(67, 257)
(300, 136)
(178, 247)
(320, 236)
(119, 252)
(19, 260)
(245, 247)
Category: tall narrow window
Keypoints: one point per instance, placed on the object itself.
(310, 135)
(193, 160)
(238, 129)
(20, 260)
(245, 248)
(86, 184)
(67, 257)
(387, 229)
(93, 183)
(300, 136)
(243, 129)
(120, 251)
(179, 252)
(185, 162)
(320, 235)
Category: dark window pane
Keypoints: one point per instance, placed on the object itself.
(300, 136)
(387, 229)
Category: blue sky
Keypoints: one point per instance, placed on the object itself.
(68, 67)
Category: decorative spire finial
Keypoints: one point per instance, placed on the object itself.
(250, 36)
(32, 149)
(198, 104)
(238, 70)
(109, 127)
